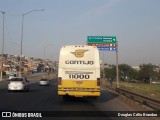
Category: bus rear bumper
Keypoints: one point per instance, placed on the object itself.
(78, 93)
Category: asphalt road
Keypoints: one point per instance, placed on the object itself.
(45, 98)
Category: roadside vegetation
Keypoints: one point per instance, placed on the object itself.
(145, 81)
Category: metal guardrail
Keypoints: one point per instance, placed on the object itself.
(145, 100)
(155, 104)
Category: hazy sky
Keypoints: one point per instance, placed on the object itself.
(135, 23)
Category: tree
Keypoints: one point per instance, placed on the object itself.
(133, 74)
(158, 75)
(146, 72)
(125, 71)
(110, 73)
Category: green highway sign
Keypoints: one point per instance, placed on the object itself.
(102, 39)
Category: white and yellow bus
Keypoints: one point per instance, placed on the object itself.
(79, 71)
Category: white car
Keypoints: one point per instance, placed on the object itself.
(44, 82)
(18, 84)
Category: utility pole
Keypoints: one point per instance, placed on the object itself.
(117, 74)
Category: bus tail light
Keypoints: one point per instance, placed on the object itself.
(98, 81)
(59, 81)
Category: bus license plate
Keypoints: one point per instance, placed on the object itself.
(79, 82)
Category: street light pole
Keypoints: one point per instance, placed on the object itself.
(45, 53)
(2, 47)
(45, 49)
(20, 66)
